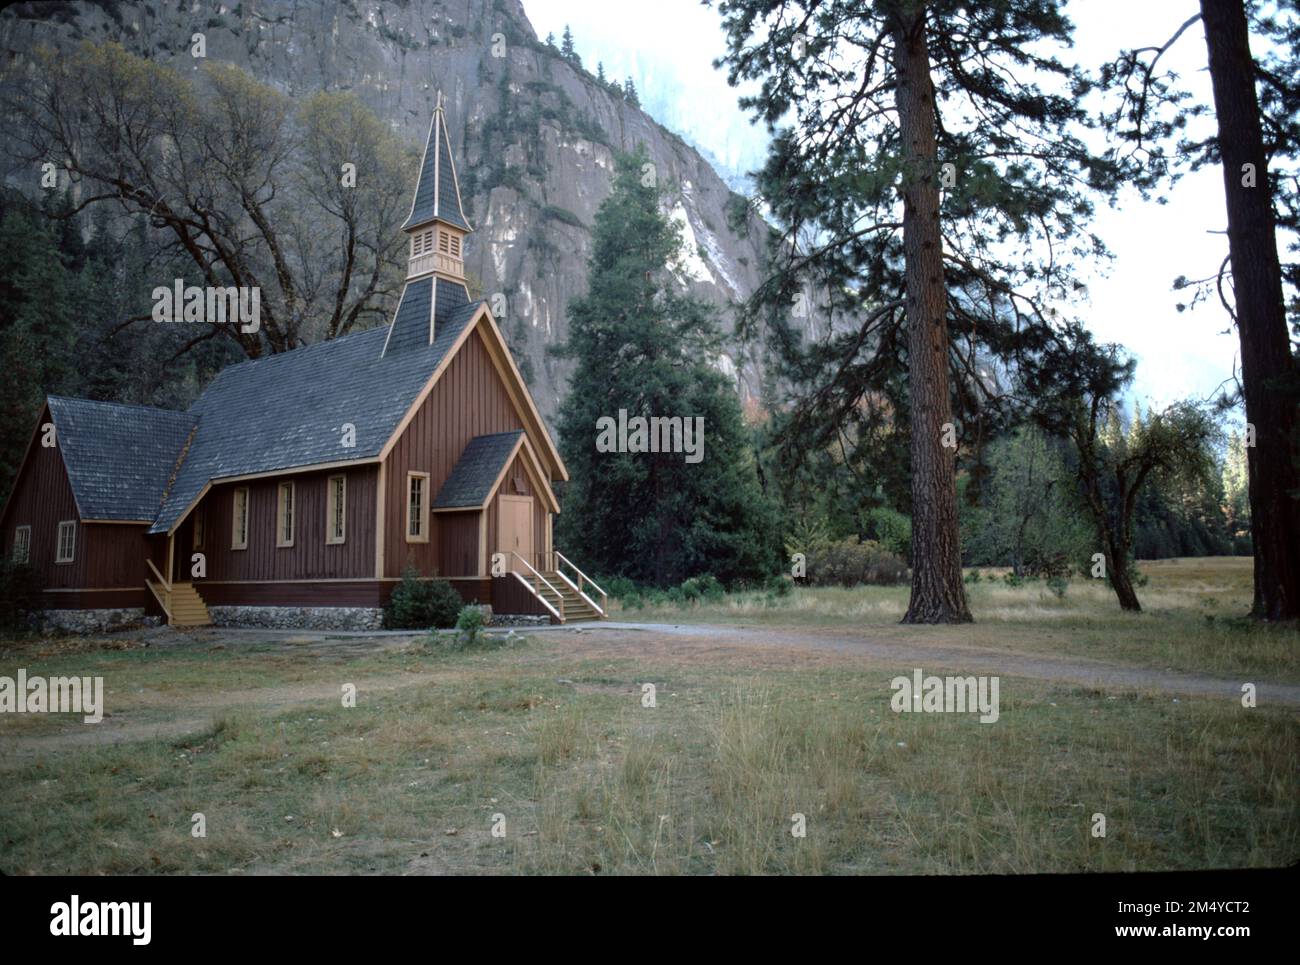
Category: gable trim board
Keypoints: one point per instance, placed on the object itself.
(514, 384)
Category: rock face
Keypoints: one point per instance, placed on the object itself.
(535, 137)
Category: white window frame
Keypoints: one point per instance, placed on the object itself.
(23, 538)
(284, 512)
(423, 535)
(336, 509)
(238, 538)
(65, 526)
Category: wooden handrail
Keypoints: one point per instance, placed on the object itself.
(581, 578)
(578, 590)
(541, 599)
(547, 583)
(157, 596)
(165, 584)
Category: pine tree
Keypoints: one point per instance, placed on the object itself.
(1257, 149)
(567, 49)
(934, 151)
(600, 71)
(640, 347)
(629, 93)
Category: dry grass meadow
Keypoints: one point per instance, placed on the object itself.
(546, 739)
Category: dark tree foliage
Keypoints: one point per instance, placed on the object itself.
(855, 290)
(642, 347)
(62, 302)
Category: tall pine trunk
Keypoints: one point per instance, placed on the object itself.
(938, 595)
(1267, 369)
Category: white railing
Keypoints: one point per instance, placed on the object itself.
(573, 586)
(583, 579)
(536, 590)
(532, 590)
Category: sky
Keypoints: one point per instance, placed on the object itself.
(667, 47)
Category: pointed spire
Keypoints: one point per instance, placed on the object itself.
(437, 194)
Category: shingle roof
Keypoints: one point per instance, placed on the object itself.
(289, 410)
(119, 457)
(411, 323)
(436, 194)
(478, 467)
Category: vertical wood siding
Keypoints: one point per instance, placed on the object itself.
(469, 400)
(105, 555)
(310, 557)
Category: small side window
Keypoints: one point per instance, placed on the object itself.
(66, 547)
(22, 544)
(239, 521)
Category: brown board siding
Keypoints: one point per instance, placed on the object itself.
(105, 555)
(310, 557)
(510, 596)
(468, 400)
(95, 599)
(458, 535)
(347, 593)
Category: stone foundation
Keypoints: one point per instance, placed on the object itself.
(519, 620)
(298, 617)
(96, 621)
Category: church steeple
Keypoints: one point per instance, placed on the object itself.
(435, 294)
(437, 224)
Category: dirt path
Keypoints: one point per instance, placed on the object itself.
(728, 642)
(755, 648)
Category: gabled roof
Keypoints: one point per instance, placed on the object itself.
(289, 410)
(477, 470)
(437, 195)
(119, 458)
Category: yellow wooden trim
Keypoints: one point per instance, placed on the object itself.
(235, 544)
(424, 508)
(380, 521)
(517, 388)
(330, 538)
(280, 541)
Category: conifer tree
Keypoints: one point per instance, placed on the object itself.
(642, 347)
(932, 184)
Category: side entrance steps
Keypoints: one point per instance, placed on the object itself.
(569, 597)
(180, 602)
(187, 607)
(572, 604)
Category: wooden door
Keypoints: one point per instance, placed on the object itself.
(515, 530)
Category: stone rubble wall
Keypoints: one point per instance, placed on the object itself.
(298, 617)
(96, 621)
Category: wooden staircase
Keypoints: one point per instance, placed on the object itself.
(571, 603)
(570, 597)
(187, 607)
(179, 601)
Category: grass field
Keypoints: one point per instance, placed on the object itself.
(547, 740)
(1192, 619)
